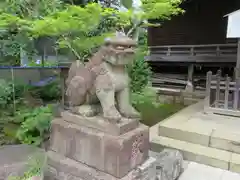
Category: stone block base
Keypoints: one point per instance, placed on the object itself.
(62, 168)
(167, 165)
(116, 155)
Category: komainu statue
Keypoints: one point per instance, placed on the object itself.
(102, 84)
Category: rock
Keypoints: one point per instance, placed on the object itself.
(169, 164)
(146, 171)
(166, 165)
(15, 159)
(36, 178)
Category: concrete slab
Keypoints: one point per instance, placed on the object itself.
(222, 139)
(182, 116)
(204, 138)
(188, 132)
(230, 176)
(193, 125)
(235, 163)
(201, 172)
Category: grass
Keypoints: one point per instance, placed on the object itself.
(151, 114)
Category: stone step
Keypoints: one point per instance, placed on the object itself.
(198, 134)
(198, 153)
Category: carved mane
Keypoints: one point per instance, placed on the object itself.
(81, 78)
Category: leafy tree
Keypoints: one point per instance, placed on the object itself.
(13, 35)
(77, 28)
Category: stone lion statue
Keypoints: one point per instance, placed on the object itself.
(102, 84)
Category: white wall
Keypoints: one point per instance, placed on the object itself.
(233, 29)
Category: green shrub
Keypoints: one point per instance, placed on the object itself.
(146, 96)
(5, 93)
(49, 92)
(35, 125)
(10, 92)
(139, 72)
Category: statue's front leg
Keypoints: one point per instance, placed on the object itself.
(125, 106)
(106, 95)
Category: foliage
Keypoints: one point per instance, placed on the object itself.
(139, 72)
(23, 122)
(35, 125)
(27, 20)
(49, 92)
(7, 130)
(5, 93)
(145, 96)
(152, 115)
(161, 9)
(11, 93)
(30, 8)
(14, 15)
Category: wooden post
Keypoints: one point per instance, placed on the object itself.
(226, 96)
(238, 54)
(218, 81)
(189, 87)
(190, 72)
(238, 60)
(207, 103)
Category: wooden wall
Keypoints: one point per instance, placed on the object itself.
(202, 23)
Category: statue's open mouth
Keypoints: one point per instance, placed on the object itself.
(119, 56)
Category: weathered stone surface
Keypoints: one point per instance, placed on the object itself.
(14, 159)
(103, 80)
(169, 164)
(146, 171)
(116, 155)
(97, 122)
(62, 168)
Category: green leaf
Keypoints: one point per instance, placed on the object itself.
(127, 3)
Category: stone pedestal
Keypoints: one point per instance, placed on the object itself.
(63, 168)
(93, 145)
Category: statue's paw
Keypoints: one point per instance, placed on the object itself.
(87, 110)
(113, 116)
(131, 114)
(87, 113)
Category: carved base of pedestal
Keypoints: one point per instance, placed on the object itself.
(62, 168)
(101, 124)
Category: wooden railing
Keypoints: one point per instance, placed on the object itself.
(195, 50)
(222, 96)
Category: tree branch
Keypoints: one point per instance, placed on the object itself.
(70, 47)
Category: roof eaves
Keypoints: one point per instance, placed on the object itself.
(231, 13)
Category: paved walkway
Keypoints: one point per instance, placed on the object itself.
(195, 171)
